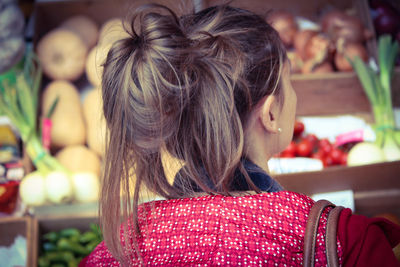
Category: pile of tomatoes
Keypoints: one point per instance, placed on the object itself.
(312, 147)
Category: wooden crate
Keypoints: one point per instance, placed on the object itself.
(324, 94)
(51, 223)
(376, 187)
(11, 227)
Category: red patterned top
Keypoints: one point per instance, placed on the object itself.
(256, 230)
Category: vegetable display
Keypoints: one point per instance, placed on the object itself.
(310, 146)
(68, 246)
(53, 182)
(320, 48)
(19, 89)
(68, 125)
(377, 87)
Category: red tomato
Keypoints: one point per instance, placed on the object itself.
(298, 128)
(325, 146)
(304, 148)
(286, 154)
(318, 155)
(324, 142)
(291, 148)
(336, 155)
(343, 160)
(312, 138)
(328, 161)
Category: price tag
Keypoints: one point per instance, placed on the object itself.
(339, 198)
(46, 133)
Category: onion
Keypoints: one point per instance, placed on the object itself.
(317, 45)
(285, 24)
(58, 187)
(32, 189)
(300, 41)
(385, 17)
(330, 19)
(86, 187)
(391, 149)
(296, 62)
(350, 50)
(388, 23)
(338, 24)
(365, 153)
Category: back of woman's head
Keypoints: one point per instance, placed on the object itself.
(183, 86)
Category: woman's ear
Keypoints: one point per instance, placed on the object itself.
(269, 114)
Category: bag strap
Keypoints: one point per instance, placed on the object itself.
(311, 231)
(330, 237)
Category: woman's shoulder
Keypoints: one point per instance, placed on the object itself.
(281, 206)
(100, 256)
(245, 199)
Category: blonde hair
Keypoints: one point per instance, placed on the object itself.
(185, 85)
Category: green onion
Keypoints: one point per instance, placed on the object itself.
(19, 94)
(377, 87)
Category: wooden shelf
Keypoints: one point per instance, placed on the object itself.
(329, 94)
(376, 186)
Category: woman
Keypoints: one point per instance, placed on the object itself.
(211, 89)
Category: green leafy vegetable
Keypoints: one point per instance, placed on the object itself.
(377, 87)
(19, 94)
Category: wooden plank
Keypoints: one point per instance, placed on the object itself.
(335, 93)
(376, 187)
(329, 94)
(376, 202)
(380, 176)
(33, 243)
(11, 227)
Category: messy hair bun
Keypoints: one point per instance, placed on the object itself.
(185, 86)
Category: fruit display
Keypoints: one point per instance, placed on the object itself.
(309, 146)
(324, 46)
(62, 53)
(68, 247)
(68, 125)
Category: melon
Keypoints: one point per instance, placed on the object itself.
(94, 63)
(79, 159)
(96, 123)
(85, 27)
(62, 54)
(68, 125)
(112, 31)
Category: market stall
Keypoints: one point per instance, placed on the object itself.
(53, 133)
